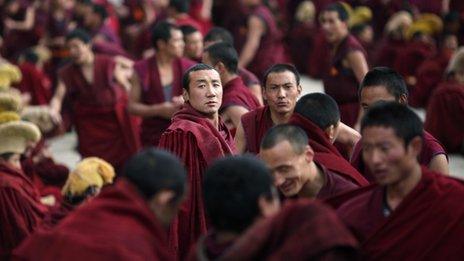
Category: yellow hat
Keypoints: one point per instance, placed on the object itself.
(15, 135)
(39, 115)
(305, 12)
(361, 15)
(8, 116)
(428, 24)
(91, 171)
(347, 8)
(8, 74)
(10, 101)
(400, 20)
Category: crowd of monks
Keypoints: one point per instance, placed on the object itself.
(197, 144)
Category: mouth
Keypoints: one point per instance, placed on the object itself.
(282, 104)
(285, 188)
(211, 103)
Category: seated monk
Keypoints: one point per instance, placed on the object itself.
(413, 213)
(193, 40)
(126, 221)
(198, 136)
(385, 84)
(237, 192)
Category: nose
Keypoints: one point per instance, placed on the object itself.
(278, 180)
(210, 91)
(281, 93)
(373, 156)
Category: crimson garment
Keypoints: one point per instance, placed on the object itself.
(411, 56)
(387, 52)
(152, 93)
(255, 125)
(103, 125)
(341, 83)
(318, 62)
(208, 248)
(445, 115)
(237, 94)
(116, 225)
(20, 209)
(36, 83)
(109, 48)
(194, 139)
(427, 225)
(248, 77)
(325, 152)
(188, 20)
(334, 184)
(302, 230)
(430, 148)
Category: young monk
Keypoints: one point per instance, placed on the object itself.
(157, 88)
(413, 213)
(193, 40)
(385, 84)
(237, 98)
(198, 136)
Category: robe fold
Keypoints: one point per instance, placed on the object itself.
(237, 94)
(334, 185)
(152, 93)
(116, 225)
(20, 209)
(427, 225)
(248, 77)
(255, 125)
(302, 230)
(104, 127)
(36, 83)
(208, 248)
(325, 152)
(194, 139)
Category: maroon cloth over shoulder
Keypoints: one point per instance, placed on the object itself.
(255, 125)
(194, 139)
(303, 230)
(208, 248)
(325, 152)
(427, 225)
(116, 225)
(334, 185)
(152, 93)
(237, 94)
(36, 83)
(248, 77)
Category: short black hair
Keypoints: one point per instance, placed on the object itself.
(295, 135)
(181, 6)
(219, 34)
(153, 170)
(282, 67)
(320, 108)
(7, 155)
(79, 34)
(225, 53)
(29, 55)
(188, 30)
(231, 189)
(387, 77)
(194, 68)
(406, 124)
(340, 9)
(162, 31)
(100, 10)
(359, 28)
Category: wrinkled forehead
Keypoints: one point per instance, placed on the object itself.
(281, 78)
(204, 75)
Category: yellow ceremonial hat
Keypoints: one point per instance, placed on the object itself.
(361, 15)
(8, 74)
(15, 135)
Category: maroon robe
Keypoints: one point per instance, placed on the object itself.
(318, 63)
(341, 83)
(104, 127)
(36, 83)
(248, 77)
(208, 248)
(302, 230)
(152, 93)
(116, 225)
(334, 184)
(411, 56)
(430, 148)
(20, 209)
(387, 52)
(195, 140)
(427, 225)
(237, 94)
(255, 125)
(325, 152)
(445, 115)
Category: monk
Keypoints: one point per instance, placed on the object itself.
(178, 13)
(156, 90)
(445, 111)
(263, 46)
(198, 136)
(93, 86)
(237, 191)
(237, 98)
(413, 213)
(193, 40)
(385, 84)
(127, 221)
(96, 22)
(348, 63)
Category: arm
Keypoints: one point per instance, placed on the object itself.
(25, 25)
(256, 29)
(57, 101)
(206, 7)
(255, 89)
(240, 142)
(439, 163)
(348, 136)
(357, 62)
(234, 113)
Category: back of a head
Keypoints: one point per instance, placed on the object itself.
(219, 34)
(387, 77)
(188, 30)
(153, 170)
(225, 53)
(320, 108)
(79, 34)
(406, 124)
(339, 9)
(231, 189)
(162, 31)
(100, 10)
(285, 132)
(279, 68)
(181, 6)
(194, 68)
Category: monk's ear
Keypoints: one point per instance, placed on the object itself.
(163, 198)
(299, 89)
(415, 146)
(330, 132)
(185, 95)
(309, 153)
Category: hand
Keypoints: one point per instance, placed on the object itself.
(55, 115)
(168, 109)
(178, 100)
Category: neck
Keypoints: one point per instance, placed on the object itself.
(280, 118)
(315, 182)
(398, 191)
(164, 59)
(227, 77)
(89, 59)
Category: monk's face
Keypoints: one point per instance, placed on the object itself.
(193, 45)
(13, 160)
(386, 155)
(334, 28)
(281, 92)
(205, 92)
(174, 47)
(372, 94)
(289, 168)
(78, 50)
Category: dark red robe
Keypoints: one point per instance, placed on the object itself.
(334, 184)
(20, 209)
(325, 152)
(195, 140)
(445, 115)
(152, 93)
(208, 248)
(318, 62)
(302, 230)
(255, 125)
(116, 225)
(341, 83)
(235, 93)
(430, 148)
(387, 51)
(248, 77)
(411, 56)
(104, 127)
(427, 225)
(35, 83)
